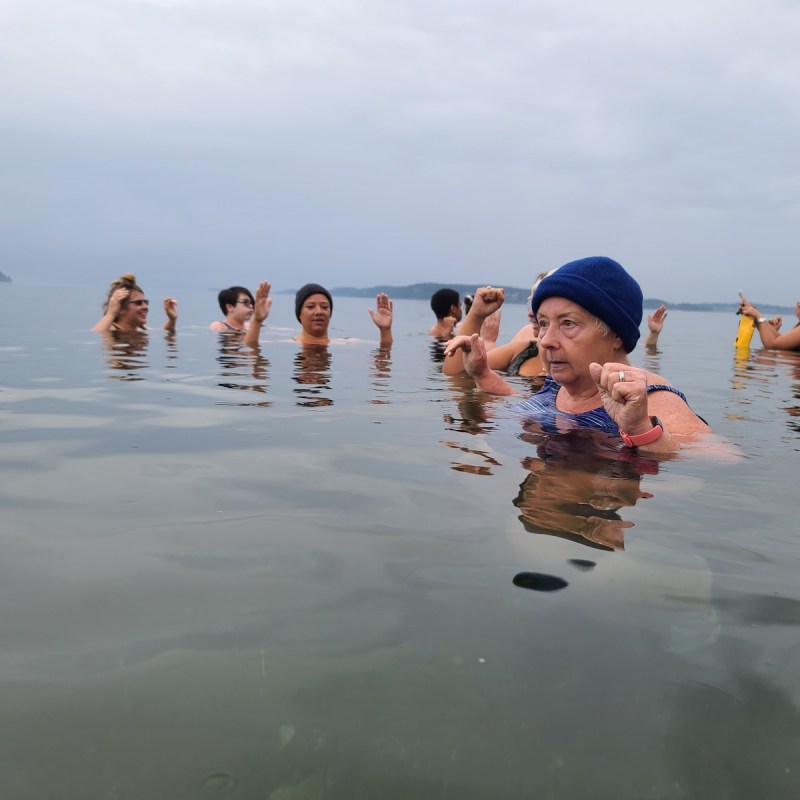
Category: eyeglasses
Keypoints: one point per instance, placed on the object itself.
(248, 303)
(140, 302)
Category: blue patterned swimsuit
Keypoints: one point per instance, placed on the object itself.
(541, 408)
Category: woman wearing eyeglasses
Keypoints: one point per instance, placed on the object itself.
(125, 309)
(237, 304)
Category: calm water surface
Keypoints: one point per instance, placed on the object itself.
(345, 576)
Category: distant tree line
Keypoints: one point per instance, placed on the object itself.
(423, 291)
(5, 278)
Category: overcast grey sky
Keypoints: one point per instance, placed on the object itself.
(356, 142)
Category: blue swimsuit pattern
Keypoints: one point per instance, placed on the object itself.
(541, 408)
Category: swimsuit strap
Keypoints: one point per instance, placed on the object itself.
(662, 387)
(531, 350)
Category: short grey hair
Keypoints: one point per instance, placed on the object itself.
(601, 326)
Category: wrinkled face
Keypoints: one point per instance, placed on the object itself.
(243, 309)
(134, 312)
(315, 315)
(570, 339)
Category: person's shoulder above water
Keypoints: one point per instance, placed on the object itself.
(446, 306)
(314, 309)
(589, 312)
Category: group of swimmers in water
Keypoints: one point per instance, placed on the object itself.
(583, 322)
(126, 308)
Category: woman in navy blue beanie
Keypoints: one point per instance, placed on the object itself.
(589, 312)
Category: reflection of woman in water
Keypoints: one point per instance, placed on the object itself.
(312, 373)
(126, 355)
(125, 309)
(244, 369)
(575, 489)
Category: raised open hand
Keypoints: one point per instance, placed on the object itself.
(382, 317)
(171, 308)
(490, 328)
(655, 321)
(263, 302)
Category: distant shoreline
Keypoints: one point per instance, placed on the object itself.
(423, 291)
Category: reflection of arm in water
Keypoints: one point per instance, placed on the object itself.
(381, 372)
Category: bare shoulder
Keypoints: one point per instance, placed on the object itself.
(524, 335)
(789, 340)
(675, 412)
(654, 379)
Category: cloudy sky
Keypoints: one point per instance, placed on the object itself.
(356, 142)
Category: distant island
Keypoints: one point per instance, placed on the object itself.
(5, 278)
(423, 291)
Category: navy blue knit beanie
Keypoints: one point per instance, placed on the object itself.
(305, 292)
(603, 288)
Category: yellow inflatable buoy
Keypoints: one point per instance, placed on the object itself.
(745, 333)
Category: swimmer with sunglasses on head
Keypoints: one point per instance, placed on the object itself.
(125, 309)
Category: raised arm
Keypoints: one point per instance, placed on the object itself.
(623, 390)
(655, 322)
(261, 311)
(768, 331)
(171, 310)
(382, 317)
(476, 362)
(487, 300)
(112, 312)
(490, 329)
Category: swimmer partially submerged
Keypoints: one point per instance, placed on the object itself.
(313, 307)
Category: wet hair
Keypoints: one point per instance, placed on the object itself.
(126, 281)
(230, 297)
(442, 300)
